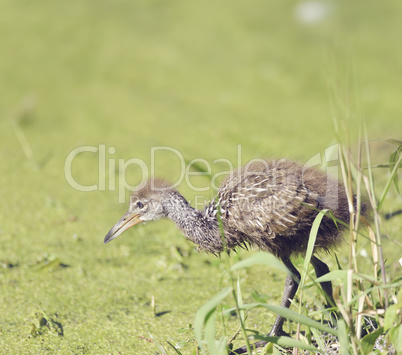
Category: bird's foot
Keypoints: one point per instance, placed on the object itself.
(279, 333)
(258, 344)
(243, 349)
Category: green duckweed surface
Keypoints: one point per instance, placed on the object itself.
(204, 78)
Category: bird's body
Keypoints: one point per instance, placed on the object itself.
(270, 204)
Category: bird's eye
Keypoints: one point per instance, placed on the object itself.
(140, 204)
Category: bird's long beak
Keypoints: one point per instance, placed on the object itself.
(127, 221)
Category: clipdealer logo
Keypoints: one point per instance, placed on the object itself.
(108, 166)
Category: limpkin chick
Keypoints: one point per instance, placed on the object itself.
(270, 204)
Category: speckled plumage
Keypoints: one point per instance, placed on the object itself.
(270, 204)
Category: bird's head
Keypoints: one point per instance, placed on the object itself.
(146, 204)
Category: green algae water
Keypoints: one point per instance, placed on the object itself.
(199, 78)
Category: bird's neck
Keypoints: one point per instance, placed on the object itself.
(199, 226)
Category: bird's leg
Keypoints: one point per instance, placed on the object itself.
(321, 269)
(291, 285)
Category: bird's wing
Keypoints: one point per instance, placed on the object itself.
(263, 204)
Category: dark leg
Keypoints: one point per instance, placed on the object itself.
(321, 269)
(291, 285)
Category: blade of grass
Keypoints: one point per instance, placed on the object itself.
(391, 179)
(343, 337)
(287, 342)
(307, 259)
(206, 310)
(261, 258)
(310, 245)
(240, 299)
(288, 314)
(174, 348)
(209, 333)
(393, 162)
(371, 191)
(318, 339)
(341, 274)
(158, 345)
